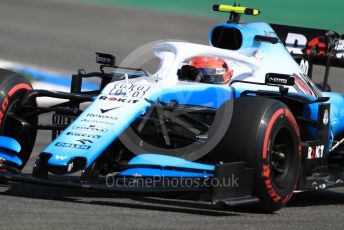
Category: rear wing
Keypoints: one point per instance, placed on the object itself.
(312, 47)
(314, 44)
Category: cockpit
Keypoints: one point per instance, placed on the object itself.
(205, 69)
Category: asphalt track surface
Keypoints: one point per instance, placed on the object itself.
(64, 36)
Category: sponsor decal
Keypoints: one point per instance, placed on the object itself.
(118, 99)
(108, 110)
(340, 49)
(296, 43)
(97, 121)
(90, 128)
(325, 118)
(85, 141)
(59, 157)
(315, 152)
(105, 59)
(220, 71)
(100, 116)
(83, 135)
(270, 189)
(71, 145)
(317, 44)
(304, 65)
(280, 79)
(134, 91)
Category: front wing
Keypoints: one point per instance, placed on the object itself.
(228, 184)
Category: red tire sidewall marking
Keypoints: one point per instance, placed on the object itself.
(19, 87)
(10, 93)
(266, 166)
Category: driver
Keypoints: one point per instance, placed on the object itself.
(206, 69)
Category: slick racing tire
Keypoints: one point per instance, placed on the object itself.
(264, 133)
(12, 90)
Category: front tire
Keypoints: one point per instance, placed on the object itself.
(13, 88)
(264, 133)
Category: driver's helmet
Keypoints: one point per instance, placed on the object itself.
(212, 69)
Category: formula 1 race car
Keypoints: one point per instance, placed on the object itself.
(240, 120)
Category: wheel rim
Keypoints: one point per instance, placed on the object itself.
(281, 156)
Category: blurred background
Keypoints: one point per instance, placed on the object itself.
(48, 40)
(63, 35)
(316, 13)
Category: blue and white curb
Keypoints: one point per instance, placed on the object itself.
(51, 78)
(46, 79)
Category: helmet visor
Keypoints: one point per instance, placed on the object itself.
(213, 75)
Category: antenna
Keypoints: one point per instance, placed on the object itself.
(233, 16)
(235, 11)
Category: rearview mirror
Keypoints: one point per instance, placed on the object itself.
(279, 79)
(105, 59)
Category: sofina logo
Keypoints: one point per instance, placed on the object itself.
(91, 128)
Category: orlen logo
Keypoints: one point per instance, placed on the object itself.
(103, 59)
(278, 80)
(295, 43)
(71, 145)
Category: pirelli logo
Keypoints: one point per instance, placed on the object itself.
(75, 134)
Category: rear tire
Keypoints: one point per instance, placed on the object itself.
(12, 90)
(263, 132)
